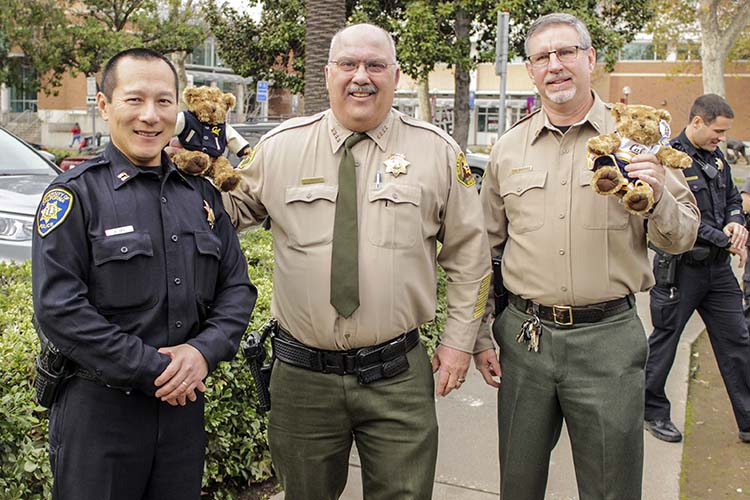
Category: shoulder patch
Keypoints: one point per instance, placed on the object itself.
(248, 159)
(463, 172)
(53, 210)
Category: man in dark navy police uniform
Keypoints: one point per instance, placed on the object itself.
(704, 280)
(138, 278)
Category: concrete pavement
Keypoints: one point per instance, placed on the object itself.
(468, 469)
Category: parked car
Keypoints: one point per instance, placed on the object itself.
(91, 146)
(252, 132)
(24, 175)
(478, 164)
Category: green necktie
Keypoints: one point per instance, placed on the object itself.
(344, 267)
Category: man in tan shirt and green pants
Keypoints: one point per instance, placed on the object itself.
(571, 262)
(359, 197)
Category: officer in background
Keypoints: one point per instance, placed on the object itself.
(745, 193)
(571, 344)
(139, 280)
(359, 196)
(703, 280)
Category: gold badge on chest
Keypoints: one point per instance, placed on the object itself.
(396, 164)
(209, 214)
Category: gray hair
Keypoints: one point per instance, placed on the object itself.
(559, 18)
(335, 38)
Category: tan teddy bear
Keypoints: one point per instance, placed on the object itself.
(203, 133)
(640, 129)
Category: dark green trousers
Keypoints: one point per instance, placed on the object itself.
(315, 417)
(592, 376)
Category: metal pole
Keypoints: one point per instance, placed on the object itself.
(501, 66)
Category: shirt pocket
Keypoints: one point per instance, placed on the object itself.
(206, 265)
(123, 272)
(310, 213)
(700, 190)
(524, 197)
(604, 212)
(393, 215)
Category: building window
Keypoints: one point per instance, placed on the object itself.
(637, 51)
(23, 96)
(487, 118)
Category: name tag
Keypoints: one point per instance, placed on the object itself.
(691, 178)
(118, 230)
(312, 180)
(521, 170)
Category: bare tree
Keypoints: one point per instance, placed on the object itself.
(323, 18)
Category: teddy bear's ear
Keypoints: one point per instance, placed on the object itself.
(229, 100)
(664, 115)
(190, 93)
(618, 110)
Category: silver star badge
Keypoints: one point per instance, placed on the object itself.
(396, 164)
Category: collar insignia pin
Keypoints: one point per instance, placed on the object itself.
(396, 164)
(123, 176)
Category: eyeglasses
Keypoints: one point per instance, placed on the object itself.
(352, 65)
(564, 55)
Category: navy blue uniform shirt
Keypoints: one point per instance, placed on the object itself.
(718, 199)
(127, 260)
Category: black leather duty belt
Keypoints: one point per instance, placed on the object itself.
(572, 315)
(87, 375)
(368, 363)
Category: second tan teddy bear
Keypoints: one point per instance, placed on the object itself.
(204, 133)
(640, 129)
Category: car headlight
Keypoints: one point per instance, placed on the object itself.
(14, 228)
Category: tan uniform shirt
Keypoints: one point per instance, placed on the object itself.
(561, 242)
(293, 178)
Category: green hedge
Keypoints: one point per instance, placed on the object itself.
(237, 453)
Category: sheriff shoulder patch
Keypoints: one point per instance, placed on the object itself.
(248, 159)
(53, 210)
(463, 172)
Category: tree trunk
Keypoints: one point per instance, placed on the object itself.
(423, 95)
(178, 59)
(462, 79)
(323, 18)
(717, 42)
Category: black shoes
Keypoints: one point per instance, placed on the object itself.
(744, 437)
(666, 431)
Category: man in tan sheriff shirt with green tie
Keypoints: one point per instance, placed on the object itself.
(355, 268)
(571, 262)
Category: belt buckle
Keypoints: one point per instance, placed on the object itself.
(558, 311)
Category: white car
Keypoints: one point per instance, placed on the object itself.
(24, 175)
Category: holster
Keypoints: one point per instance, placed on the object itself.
(501, 294)
(52, 370)
(255, 355)
(665, 272)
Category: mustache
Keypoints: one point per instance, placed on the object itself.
(361, 88)
(559, 76)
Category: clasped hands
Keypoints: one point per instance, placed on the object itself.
(737, 240)
(183, 376)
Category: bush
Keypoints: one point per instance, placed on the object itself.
(237, 452)
(62, 153)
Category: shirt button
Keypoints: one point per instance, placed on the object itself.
(174, 237)
(565, 151)
(564, 181)
(562, 252)
(564, 288)
(308, 196)
(177, 281)
(178, 324)
(123, 249)
(356, 163)
(519, 189)
(163, 199)
(205, 137)
(562, 216)
(395, 196)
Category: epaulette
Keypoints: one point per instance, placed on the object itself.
(523, 119)
(292, 123)
(74, 173)
(414, 122)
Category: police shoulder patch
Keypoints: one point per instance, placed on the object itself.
(463, 172)
(53, 210)
(248, 159)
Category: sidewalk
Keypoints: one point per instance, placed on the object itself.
(467, 467)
